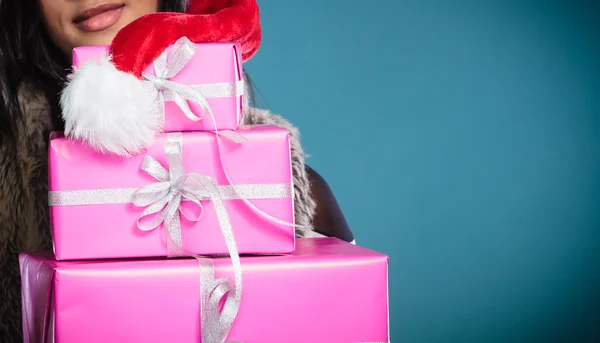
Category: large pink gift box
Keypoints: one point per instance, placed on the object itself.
(214, 69)
(91, 196)
(326, 291)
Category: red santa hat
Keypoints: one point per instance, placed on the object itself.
(107, 104)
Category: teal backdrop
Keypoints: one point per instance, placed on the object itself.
(461, 138)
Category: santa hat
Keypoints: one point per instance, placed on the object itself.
(108, 105)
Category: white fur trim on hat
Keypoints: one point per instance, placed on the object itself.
(113, 111)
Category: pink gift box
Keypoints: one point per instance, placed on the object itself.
(212, 63)
(93, 217)
(326, 291)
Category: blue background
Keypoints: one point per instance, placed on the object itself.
(462, 138)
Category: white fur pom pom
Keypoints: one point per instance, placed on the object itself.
(113, 111)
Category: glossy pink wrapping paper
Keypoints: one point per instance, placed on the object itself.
(326, 291)
(110, 231)
(212, 63)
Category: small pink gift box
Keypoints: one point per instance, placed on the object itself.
(214, 71)
(326, 291)
(94, 215)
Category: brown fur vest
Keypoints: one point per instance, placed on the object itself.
(24, 223)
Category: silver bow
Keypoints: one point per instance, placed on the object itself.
(164, 198)
(166, 67)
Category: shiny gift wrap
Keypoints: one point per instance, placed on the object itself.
(326, 291)
(104, 206)
(193, 79)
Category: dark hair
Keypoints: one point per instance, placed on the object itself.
(27, 54)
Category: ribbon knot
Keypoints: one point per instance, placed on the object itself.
(165, 68)
(158, 82)
(175, 189)
(164, 197)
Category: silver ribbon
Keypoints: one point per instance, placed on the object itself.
(231, 135)
(164, 198)
(215, 323)
(166, 67)
(113, 196)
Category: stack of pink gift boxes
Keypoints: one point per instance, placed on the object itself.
(193, 239)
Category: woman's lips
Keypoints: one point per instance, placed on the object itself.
(99, 18)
